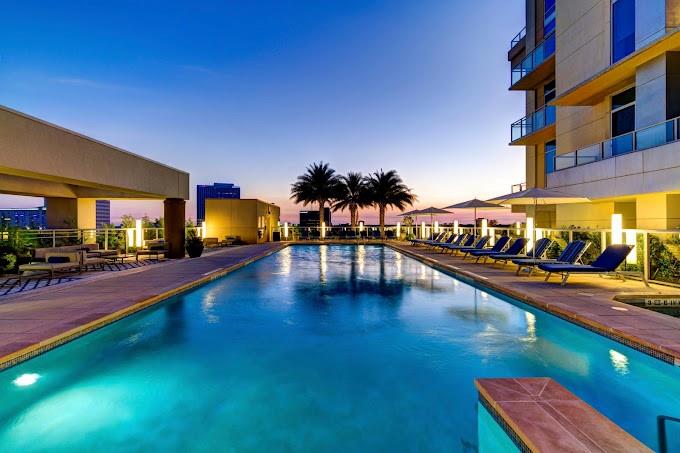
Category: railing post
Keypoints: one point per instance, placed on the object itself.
(571, 236)
(54, 238)
(645, 256)
(603, 240)
(106, 239)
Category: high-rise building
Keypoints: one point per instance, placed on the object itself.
(217, 190)
(103, 212)
(33, 218)
(602, 84)
(311, 218)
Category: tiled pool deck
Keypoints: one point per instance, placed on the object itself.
(585, 300)
(41, 319)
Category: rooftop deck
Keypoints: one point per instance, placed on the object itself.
(586, 300)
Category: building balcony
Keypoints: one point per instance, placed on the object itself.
(618, 75)
(536, 66)
(642, 139)
(517, 44)
(537, 127)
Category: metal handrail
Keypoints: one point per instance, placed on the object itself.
(538, 55)
(533, 122)
(518, 37)
(658, 134)
(661, 430)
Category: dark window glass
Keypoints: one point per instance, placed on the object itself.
(623, 28)
(549, 92)
(549, 17)
(623, 112)
(550, 150)
(623, 121)
(624, 98)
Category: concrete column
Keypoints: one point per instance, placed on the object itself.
(173, 213)
(64, 213)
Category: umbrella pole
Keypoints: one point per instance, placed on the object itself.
(474, 221)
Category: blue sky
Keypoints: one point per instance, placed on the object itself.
(253, 91)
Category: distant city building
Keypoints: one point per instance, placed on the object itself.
(311, 218)
(34, 218)
(216, 191)
(103, 212)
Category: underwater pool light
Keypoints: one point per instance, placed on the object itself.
(26, 379)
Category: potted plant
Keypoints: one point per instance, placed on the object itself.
(193, 244)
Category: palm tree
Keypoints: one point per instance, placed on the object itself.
(351, 195)
(318, 185)
(387, 189)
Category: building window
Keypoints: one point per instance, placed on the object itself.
(550, 150)
(623, 112)
(548, 92)
(548, 17)
(623, 28)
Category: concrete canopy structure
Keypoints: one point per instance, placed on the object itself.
(72, 171)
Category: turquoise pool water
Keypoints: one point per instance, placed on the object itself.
(332, 348)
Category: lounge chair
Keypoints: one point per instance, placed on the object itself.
(479, 244)
(455, 239)
(432, 238)
(154, 248)
(497, 248)
(538, 251)
(570, 255)
(442, 240)
(606, 263)
(516, 247)
(54, 262)
(467, 241)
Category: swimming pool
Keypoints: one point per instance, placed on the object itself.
(316, 348)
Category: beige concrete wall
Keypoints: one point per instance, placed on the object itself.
(579, 127)
(36, 150)
(584, 215)
(244, 218)
(583, 41)
(658, 211)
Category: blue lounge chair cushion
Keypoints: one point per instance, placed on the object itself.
(608, 261)
(497, 248)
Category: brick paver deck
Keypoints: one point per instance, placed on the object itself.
(586, 300)
(44, 318)
(545, 417)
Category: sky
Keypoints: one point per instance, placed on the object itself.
(253, 91)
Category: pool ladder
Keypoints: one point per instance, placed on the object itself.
(661, 430)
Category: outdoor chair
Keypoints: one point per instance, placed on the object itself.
(607, 263)
(538, 251)
(516, 247)
(571, 254)
(497, 247)
(466, 242)
(478, 245)
(54, 262)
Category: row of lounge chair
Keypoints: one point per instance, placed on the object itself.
(506, 250)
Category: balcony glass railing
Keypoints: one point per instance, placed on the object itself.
(518, 37)
(639, 140)
(534, 59)
(541, 118)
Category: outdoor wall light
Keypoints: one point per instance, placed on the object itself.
(204, 230)
(455, 227)
(398, 230)
(631, 239)
(285, 230)
(617, 229)
(138, 233)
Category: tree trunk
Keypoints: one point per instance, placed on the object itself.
(382, 221)
(353, 216)
(322, 204)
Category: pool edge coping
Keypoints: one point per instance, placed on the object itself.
(653, 350)
(14, 358)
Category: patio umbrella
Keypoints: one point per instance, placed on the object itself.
(413, 213)
(475, 204)
(535, 196)
(432, 211)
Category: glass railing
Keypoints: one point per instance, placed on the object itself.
(649, 137)
(536, 121)
(518, 37)
(534, 59)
